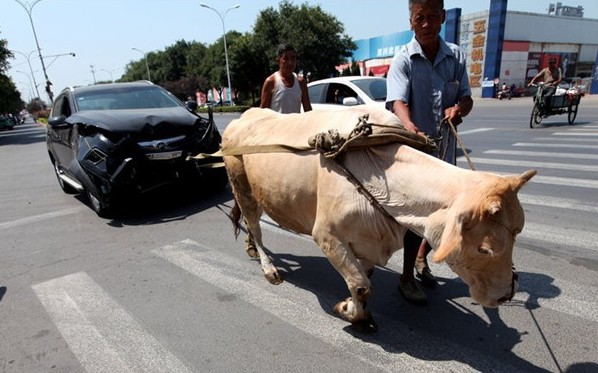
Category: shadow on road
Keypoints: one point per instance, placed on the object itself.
(2, 292)
(407, 328)
(164, 206)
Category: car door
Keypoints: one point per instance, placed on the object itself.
(61, 132)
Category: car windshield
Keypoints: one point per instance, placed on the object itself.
(375, 88)
(120, 98)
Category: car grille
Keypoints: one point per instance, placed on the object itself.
(163, 149)
(162, 145)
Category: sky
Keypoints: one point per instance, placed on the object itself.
(102, 33)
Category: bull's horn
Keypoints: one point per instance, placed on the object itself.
(524, 178)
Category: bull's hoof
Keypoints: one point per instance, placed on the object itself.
(274, 277)
(341, 309)
(252, 251)
(365, 326)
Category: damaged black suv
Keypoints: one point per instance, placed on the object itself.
(111, 140)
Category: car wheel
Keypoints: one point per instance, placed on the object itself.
(63, 184)
(101, 208)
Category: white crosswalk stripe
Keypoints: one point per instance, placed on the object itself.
(103, 336)
(533, 164)
(542, 154)
(555, 145)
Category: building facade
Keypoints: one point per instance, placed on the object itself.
(504, 46)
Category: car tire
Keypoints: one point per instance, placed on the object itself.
(101, 208)
(63, 185)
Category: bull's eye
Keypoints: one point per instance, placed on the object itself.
(486, 251)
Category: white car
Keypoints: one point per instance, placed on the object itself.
(347, 91)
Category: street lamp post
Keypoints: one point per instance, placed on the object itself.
(93, 72)
(58, 55)
(29, 8)
(28, 57)
(222, 17)
(146, 64)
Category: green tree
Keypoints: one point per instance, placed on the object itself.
(318, 37)
(10, 97)
(214, 63)
(250, 66)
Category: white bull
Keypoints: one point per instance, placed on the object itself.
(470, 218)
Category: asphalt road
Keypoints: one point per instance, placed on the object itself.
(167, 288)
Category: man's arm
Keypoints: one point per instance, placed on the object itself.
(401, 110)
(266, 99)
(457, 112)
(304, 95)
(559, 78)
(536, 77)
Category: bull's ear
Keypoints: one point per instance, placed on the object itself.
(492, 208)
(452, 238)
(523, 178)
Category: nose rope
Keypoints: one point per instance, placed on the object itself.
(447, 121)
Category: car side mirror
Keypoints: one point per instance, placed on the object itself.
(350, 101)
(57, 121)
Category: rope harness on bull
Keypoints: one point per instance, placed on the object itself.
(333, 146)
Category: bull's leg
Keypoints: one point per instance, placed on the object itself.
(252, 213)
(356, 277)
(250, 245)
(254, 240)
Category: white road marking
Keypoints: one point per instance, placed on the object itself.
(532, 164)
(556, 237)
(214, 267)
(103, 336)
(562, 203)
(576, 133)
(563, 146)
(543, 154)
(41, 217)
(475, 130)
(569, 140)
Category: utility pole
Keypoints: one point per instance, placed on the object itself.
(93, 72)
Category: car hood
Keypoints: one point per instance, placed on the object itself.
(135, 120)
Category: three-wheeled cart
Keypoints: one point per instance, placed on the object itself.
(565, 103)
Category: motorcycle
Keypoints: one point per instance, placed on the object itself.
(505, 93)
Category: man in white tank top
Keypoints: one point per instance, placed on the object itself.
(284, 91)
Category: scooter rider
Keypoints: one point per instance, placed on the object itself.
(551, 76)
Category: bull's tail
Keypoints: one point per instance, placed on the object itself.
(235, 218)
